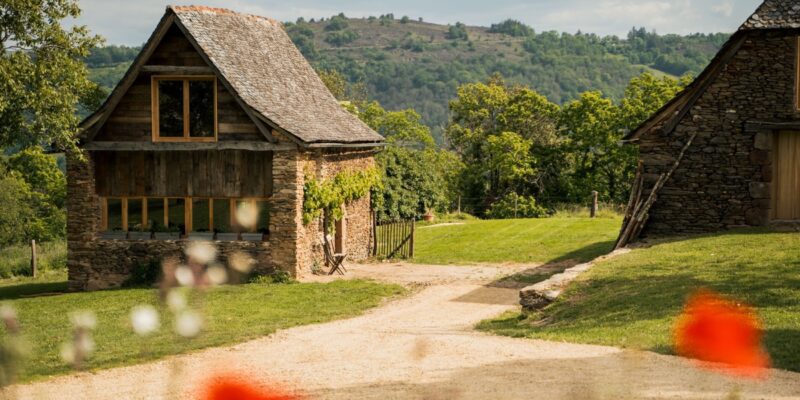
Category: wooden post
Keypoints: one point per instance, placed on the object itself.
(459, 205)
(515, 206)
(594, 204)
(374, 233)
(411, 246)
(33, 258)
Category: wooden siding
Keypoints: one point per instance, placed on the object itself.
(786, 183)
(224, 174)
(131, 119)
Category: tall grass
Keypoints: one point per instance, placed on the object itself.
(16, 260)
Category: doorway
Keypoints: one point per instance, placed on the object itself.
(786, 179)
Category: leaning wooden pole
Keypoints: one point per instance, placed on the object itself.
(641, 211)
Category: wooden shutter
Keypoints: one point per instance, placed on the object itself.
(786, 182)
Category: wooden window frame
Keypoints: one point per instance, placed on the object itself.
(156, 134)
(188, 211)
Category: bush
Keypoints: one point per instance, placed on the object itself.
(144, 274)
(457, 32)
(515, 206)
(512, 28)
(341, 38)
(277, 277)
(337, 23)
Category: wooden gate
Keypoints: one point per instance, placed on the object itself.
(392, 239)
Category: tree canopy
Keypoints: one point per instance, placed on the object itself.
(43, 79)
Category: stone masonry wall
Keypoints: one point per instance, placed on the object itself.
(724, 178)
(83, 220)
(358, 214)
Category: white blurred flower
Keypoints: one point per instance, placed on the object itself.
(187, 324)
(201, 252)
(217, 275)
(144, 320)
(68, 353)
(83, 319)
(246, 215)
(241, 262)
(85, 345)
(7, 312)
(176, 301)
(184, 275)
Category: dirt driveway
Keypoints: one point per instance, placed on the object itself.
(423, 347)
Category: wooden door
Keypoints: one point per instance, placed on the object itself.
(786, 182)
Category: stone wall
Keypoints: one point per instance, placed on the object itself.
(113, 261)
(724, 178)
(358, 214)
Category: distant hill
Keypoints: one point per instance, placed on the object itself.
(408, 63)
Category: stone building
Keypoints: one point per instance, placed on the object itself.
(218, 116)
(726, 151)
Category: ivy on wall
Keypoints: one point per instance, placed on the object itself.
(327, 197)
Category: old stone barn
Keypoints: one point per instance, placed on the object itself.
(726, 151)
(219, 114)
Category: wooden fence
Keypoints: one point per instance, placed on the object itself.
(392, 239)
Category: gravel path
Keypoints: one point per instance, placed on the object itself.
(423, 347)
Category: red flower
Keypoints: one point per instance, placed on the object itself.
(233, 388)
(717, 330)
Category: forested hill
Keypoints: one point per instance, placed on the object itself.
(409, 63)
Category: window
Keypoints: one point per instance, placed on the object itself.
(184, 216)
(184, 108)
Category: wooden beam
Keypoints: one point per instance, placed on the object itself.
(124, 214)
(178, 69)
(187, 214)
(187, 146)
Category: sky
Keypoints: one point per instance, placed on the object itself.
(130, 22)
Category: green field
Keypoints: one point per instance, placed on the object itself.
(231, 314)
(632, 300)
(541, 240)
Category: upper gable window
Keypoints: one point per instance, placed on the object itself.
(184, 108)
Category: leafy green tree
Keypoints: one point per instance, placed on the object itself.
(490, 119)
(42, 173)
(42, 75)
(512, 27)
(27, 213)
(457, 32)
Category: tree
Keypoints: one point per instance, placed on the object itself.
(503, 134)
(43, 79)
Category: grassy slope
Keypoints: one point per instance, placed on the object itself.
(519, 241)
(233, 314)
(633, 300)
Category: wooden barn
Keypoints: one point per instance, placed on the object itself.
(218, 116)
(726, 151)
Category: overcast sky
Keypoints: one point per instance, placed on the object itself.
(131, 21)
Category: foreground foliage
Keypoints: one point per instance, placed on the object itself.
(633, 300)
(231, 314)
(543, 240)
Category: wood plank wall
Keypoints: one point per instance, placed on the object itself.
(131, 120)
(211, 173)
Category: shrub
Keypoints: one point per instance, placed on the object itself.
(144, 274)
(457, 32)
(277, 277)
(341, 38)
(513, 205)
(512, 28)
(337, 23)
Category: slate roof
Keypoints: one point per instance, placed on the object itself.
(265, 71)
(775, 14)
(771, 14)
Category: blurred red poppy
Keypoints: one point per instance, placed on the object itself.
(714, 329)
(235, 388)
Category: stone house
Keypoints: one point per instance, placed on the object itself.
(726, 151)
(218, 116)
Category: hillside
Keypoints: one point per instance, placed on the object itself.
(409, 63)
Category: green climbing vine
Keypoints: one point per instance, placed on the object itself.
(327, 197)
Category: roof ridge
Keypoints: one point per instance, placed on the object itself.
(219, 10)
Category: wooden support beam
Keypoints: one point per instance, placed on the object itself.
(187, 146)
(178, 69)
(124, 214)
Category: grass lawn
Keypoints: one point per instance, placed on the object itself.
(517, 240)
(232, 314)
(633, 300)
